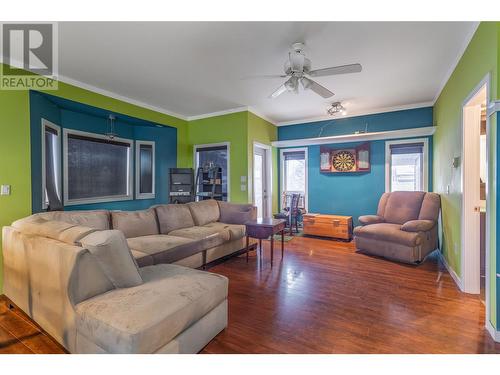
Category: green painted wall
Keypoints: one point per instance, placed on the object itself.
(480, 58)
(262, 131)
(226, 128)
(15, 163)
(241, 129)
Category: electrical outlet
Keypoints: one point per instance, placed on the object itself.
(5, 190)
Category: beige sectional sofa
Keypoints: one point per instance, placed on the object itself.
(123, 282)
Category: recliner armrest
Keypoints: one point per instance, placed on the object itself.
(370, 219)
(418, 225)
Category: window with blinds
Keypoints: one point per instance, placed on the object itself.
(407, 166)
(294, 173)
(97, 169)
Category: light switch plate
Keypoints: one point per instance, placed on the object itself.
(243, 187)
(243, 178)
(5, 190)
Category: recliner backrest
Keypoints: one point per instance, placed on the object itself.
(402, 206)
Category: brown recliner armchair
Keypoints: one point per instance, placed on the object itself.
(405, 227)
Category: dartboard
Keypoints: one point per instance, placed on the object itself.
(343, 161)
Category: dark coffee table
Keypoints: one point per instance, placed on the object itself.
(263, 229)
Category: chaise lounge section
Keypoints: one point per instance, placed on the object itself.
(117, 282)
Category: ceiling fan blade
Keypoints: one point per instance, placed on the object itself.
(341, 69)
(309, 84)
(280, 90)
(297, 61)
(265, 76)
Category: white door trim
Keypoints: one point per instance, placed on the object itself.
(228, 144)
(282, 173)
(269, 174)
(425, 161)
(470, 272)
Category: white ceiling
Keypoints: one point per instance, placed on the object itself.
(197, 68)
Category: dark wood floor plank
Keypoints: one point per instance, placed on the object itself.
(322, 298)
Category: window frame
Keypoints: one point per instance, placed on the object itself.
(219, 144)
(48, 124)
(113, 198)
(138, 194)
(282, 173)
(425, 161)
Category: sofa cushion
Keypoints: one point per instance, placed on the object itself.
(144, 318)
(98, 219)
(173, 216)
(113, 255)
(204, 212)
(403, 206)
(199, 233)
(170, 249)
(430, 207)
(388, 232)
(56, 230)
(135, 223)
(231, 213)
(236, 231)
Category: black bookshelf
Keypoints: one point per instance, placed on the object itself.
(181, 185)
(209, 183)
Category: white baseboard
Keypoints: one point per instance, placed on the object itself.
(495, 335)
(451, 271)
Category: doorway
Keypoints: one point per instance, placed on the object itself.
(475, 218)
(262, 180)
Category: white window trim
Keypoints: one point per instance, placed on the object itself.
(425, 161)
(282, 174)
(138, 194)
(48, 124)
(195, 162)
(113, 198)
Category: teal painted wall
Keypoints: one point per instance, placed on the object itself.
(353, 194)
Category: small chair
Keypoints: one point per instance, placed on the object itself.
(405, 227)
(291, 211)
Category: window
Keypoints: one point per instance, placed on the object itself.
(214, 155)
(145, 170)
(294, 173)
(51, 166)
(406, 165)
(96, 168)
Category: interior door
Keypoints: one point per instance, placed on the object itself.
(260, 196)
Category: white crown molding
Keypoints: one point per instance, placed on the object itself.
(457, 59)
(114, 95)
(356, 114)
(218, 113)
(359, 137)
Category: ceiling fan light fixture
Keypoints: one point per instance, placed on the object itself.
(336, 108)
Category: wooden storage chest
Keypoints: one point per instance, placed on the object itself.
(333, 226)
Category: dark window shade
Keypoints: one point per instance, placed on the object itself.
(146, 169)
(97, 167)
(214, 148)
(407, 148)
(294, 155)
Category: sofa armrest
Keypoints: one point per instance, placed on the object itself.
(233, 213)
(370, 219)
(418, 225)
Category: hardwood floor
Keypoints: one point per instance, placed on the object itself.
(322, 298)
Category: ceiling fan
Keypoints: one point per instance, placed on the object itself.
(298, 68)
